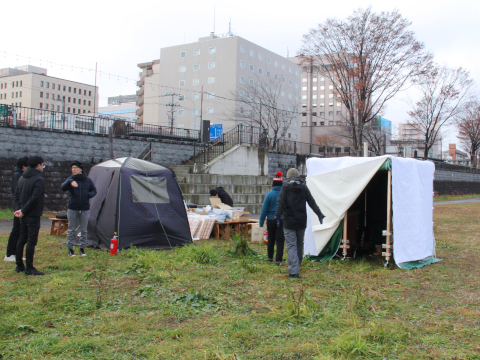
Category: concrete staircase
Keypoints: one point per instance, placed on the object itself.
(245, 190)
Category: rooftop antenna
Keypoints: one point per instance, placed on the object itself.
(214, 19)
(230, 27)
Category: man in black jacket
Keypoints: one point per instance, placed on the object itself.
(80, 189)
(22, 164)
(223, 195)
(28, 200)
(292, 205)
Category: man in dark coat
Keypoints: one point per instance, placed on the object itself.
(80, 189)
(28, 200)
(22, 164)
(292, 205)
(223, 195)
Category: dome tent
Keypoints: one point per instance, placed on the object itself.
(140, 201)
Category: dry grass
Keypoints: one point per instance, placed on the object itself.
(166, 305)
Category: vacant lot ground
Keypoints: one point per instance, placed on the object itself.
(205, 303)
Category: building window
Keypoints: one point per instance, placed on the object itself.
(304, 114)
(20, 94)
(84, 92)
(314, 97)
(296, 85)
(314, 123)
(304, 80)
(73, 100)
(211, 80)
(322, 79)
(210, 95)
(283, 93)
(89, 93)
(211, 65)
(304, 97)
(283, 79)
(330, 104)
(46, 106)
(240, 109)
(210, 110)
(59, 87)
(69, 99)
(330, 87)
(260, 71)
(322, 123)
(195, 96)
(322, 87)
(41, 105)
(79, 91)
(211, 50)
(240, 94)
(252, 53)
(314, 88)
(269, 61)
(290, 82)
(58, 107)
(242, 48)
(242, 64)
(196, 67)
(276, 77)
(183, 53)
(74, 90)
(283, 67)
(84, 102)
(47, 95)
(182, 68)
(260, 56)
(181, 83)
(41, 85)
(314, 105)
(68, 110)
(330, 96)
(251, 82)
(251, 67)
(181, 97)
(314, 79)
(41, 94)
(314, 114)
(181, 112)
(69, 89)
(290, 70)
(322, 96)
(89, 103)
(73, 110)
(304, 123)
(330, 123)
(268, 73)
(321, 104)
(339, 104)
(196, 81)
(196, 52)
(296, 72)
(276, 63)
(339, 113)
(289, 96)
(322, 114)
(304, 88)
(330, 113)
(195, 112)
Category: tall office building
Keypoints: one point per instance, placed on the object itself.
(221, 67)
(30, 86)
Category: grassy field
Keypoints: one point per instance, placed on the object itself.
(206, 303)
(455, 197)
(7, 214)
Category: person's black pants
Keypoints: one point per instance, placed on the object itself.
(29, 228)
(275, 236)
(14, 235)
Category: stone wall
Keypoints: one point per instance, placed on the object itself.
(59, 149)
(453, 176)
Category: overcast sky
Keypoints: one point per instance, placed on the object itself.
(119, 35)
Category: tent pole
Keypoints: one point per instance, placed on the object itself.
(388, 233)
(345, 242)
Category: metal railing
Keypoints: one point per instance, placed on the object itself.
(87, 123)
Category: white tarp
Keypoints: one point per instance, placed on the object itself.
(412, 197)
(336, 183)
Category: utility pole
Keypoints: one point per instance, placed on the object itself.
(170, 113)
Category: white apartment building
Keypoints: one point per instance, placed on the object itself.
(207, 77)
(412, 141)
(122, 107)
(30, 86)
(322, 112)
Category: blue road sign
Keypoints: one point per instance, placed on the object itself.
(216, 130)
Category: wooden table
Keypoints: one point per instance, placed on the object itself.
(59, 226)
(224, 229)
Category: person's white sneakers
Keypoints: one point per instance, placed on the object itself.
(10, 258)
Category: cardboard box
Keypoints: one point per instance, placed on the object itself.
(217, 203)
(244, 217)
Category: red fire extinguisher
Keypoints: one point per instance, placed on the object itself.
(114, 245)
(265, 237)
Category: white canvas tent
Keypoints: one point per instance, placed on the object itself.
(336, 184)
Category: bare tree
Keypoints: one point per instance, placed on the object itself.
(443, 91)
(265, 102)
(369, 58)
(376, 138)
(468, 125)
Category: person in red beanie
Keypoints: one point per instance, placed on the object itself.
(275, 231)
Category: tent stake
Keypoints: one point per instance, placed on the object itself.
(388, 233)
